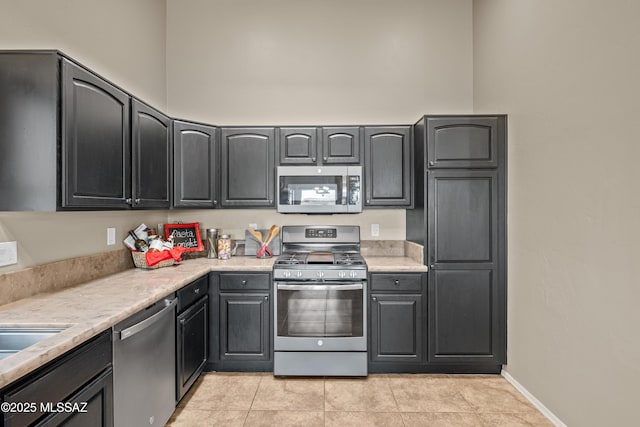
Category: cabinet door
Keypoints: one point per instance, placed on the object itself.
(91, 406)
(193, 344)
(247, 166)
(195, 177)
(298, 146)
(466, 311)
(151, 156)
(387, 160)
(95, 141)
(244, 327)
(396, 328)
(464, 142)
(341, 145)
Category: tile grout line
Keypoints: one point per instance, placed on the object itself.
(252, 400)
(388, 383)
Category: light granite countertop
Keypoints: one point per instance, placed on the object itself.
(88, 309)
(379, 264)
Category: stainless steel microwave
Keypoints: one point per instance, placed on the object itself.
(319, 189)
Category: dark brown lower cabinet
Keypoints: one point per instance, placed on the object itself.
(241, 332)
(397, 322)
(83, 375)
(192, 338)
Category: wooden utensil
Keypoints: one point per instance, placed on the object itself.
(256, 234)
(273, 232)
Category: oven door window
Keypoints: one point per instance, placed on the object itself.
(312, 190)
(319, 312)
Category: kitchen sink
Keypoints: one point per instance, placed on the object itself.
(12, 340)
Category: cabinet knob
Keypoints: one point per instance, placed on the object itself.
(431, 163)
(432, 266)
(196, 291)
(266, 298)
(270, 200)
(244, 283)
(215, 203)
(313, 159)
(137, 201)
(397, 282)
(374, 299)
(128, 201)
(325, 159)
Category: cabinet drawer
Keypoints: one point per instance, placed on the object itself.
(396, 282)
(190, 293)
(245, 281)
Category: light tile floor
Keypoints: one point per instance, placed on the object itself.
(256, 399)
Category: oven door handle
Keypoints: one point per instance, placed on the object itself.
(349, 287)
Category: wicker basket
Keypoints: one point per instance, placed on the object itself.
(140, 261)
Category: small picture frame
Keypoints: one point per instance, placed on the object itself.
(185, 235)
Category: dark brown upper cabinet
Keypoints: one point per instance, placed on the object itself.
(195, 175)
(95, 141)
(341, 145)
(298, 146)
(463, 142)
(151, 155)
(387, 166)
(247, 165)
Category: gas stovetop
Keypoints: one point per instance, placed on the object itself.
(315, 259)
(320, 253)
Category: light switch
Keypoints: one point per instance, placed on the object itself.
(375, 230)
(111, 236)
(8, 253)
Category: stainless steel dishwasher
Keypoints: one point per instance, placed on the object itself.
(144, 366)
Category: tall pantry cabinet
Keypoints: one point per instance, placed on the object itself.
(460, 219)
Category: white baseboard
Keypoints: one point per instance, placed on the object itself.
(535, 402)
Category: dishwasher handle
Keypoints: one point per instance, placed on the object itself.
(141, 326)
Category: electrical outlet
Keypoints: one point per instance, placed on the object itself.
(111, 236)
(375, 230)
(8, 253)
(254, 226)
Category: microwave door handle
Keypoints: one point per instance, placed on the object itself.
(345, 190)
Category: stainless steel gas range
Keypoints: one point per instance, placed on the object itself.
(320, 285)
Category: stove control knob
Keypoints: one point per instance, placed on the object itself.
(320, 343)
(353, 274)
(299, 273)
(287, 274)
(320, 273)
(342, 274)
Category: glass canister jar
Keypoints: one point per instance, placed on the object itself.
(224, 247)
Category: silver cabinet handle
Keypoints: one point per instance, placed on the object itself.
(129, 201)
(139, 327)
(137, 201)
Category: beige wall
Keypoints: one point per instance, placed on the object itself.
(122, 40)
(284, 62)
(567, 72)
(234, 222)
(318, 62)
